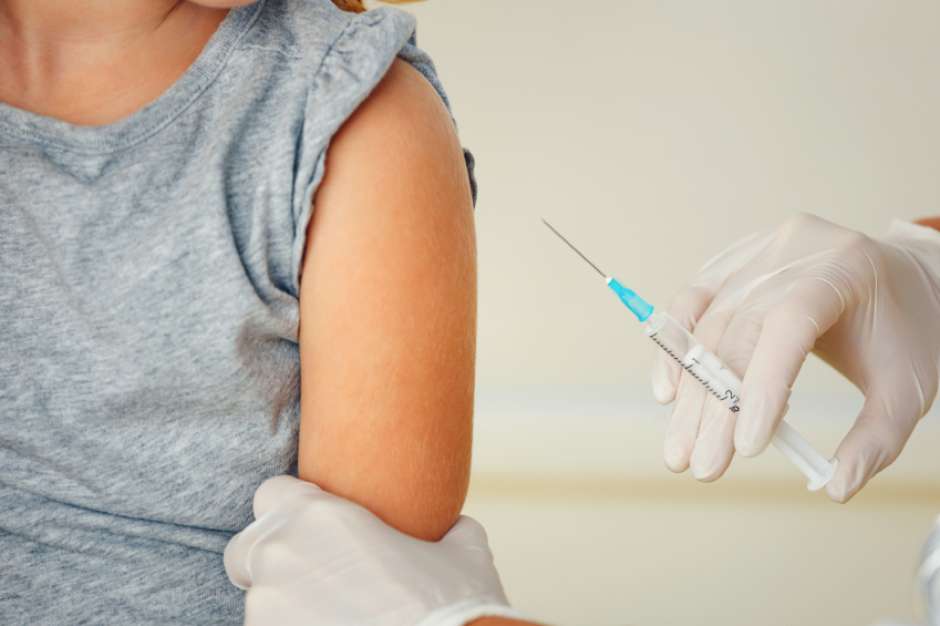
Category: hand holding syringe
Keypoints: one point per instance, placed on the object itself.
(708, 370)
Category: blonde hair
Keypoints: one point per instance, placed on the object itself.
(357, 7)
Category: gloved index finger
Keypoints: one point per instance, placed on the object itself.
(789, 333)
(686, 308)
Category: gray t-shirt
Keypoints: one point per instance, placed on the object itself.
(149, 362)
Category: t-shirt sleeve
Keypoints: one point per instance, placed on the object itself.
(355, 63)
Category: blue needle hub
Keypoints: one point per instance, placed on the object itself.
(637, 305)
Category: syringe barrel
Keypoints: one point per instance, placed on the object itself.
(721, 382)
(814, 466)
(698, 362)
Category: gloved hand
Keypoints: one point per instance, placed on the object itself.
(868, 307)
(929, 577)
(929, 574)
(313, 558)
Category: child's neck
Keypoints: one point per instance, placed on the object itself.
(90, 64)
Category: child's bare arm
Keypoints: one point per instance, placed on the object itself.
(388, 313)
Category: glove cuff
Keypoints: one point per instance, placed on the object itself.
(466, 611)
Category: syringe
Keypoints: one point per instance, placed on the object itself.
(707, 369)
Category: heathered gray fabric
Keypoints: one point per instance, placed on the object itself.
(148, 315)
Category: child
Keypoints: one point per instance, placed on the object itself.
(236, 240)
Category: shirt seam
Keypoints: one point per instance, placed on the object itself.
(310, 86)
(329, 51)
(278, 51)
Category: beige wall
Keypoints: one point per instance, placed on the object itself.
(655, 133)
(659, 131)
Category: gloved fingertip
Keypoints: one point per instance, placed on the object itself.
(710, 460)
(676, 456)
(837, 491)
(746, 439)
(664, 389)
(705, 470)
(844, 484)
(233, 560)
(713, 448)
(751, 433)
(466, 531)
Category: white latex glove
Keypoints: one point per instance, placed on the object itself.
(928, 576)
(868, 307)
(312, 558)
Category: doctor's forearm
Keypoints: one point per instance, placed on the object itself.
(932, 222)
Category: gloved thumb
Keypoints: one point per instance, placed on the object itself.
(873, 443)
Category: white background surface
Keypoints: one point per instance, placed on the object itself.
(654, 134)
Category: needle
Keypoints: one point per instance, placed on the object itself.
(570, 245)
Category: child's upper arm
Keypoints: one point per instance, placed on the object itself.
(388, 312)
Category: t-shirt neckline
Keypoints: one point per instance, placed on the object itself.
(36, 128)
